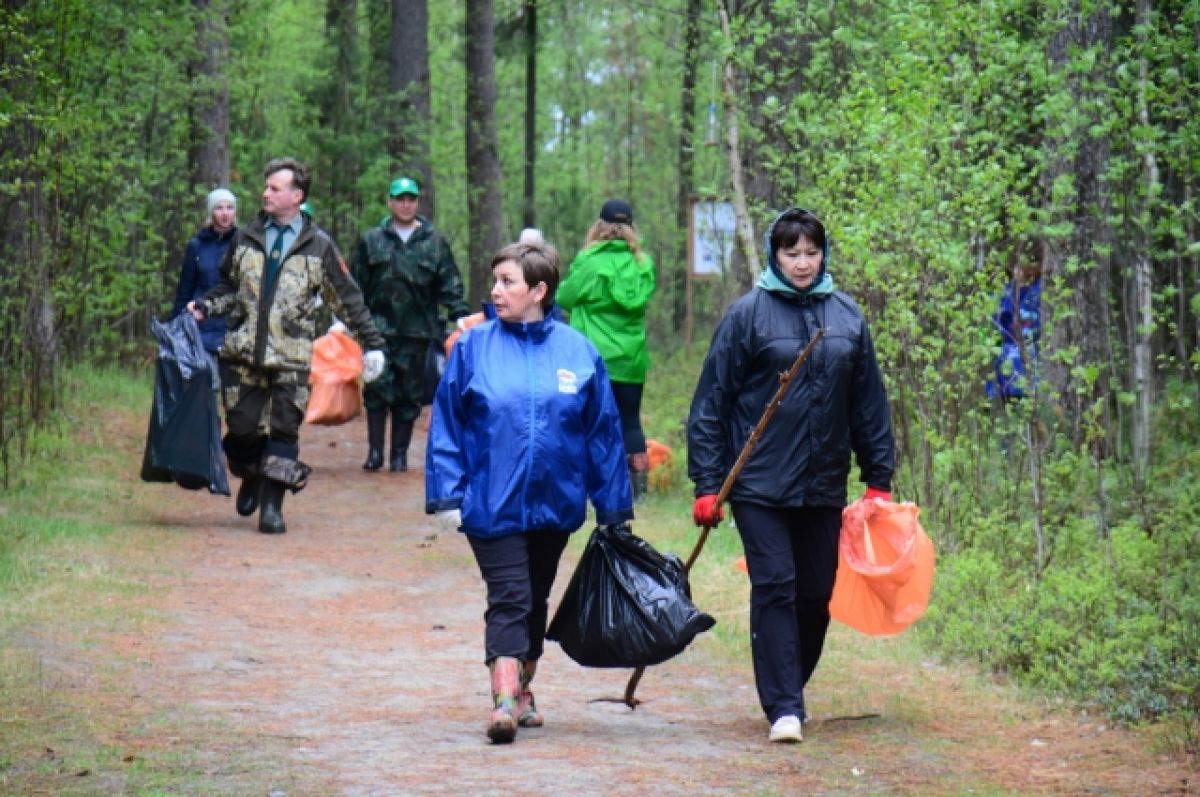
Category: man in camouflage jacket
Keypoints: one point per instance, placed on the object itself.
(407, 272)
(271, 276)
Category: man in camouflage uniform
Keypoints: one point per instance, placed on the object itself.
(272, 274)
(406, 271)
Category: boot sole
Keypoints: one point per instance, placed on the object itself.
(502, 732)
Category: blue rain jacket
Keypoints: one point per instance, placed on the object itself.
(524, 431)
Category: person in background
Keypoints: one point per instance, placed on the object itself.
(606, 291)
(788, 500)
(524, 431)
(201, 269)
(1019, 320)
(273, 271)
(407, 272)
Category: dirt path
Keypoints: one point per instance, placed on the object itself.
(344, 657)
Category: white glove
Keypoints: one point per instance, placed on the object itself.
(448, 519)
(338, 326)
(372, 365)
(461, 323)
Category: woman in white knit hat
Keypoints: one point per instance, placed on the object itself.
(202, 266)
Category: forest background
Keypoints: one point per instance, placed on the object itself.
(942, 143)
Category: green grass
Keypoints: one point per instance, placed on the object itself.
(73, 572)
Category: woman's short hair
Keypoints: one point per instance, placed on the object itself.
(539, 263)
(795, 224)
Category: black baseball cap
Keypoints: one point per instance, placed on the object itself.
(617, 211)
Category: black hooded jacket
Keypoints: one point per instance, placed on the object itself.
(836, 405)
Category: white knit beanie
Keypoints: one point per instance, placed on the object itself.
(531, 235)
(219, 195)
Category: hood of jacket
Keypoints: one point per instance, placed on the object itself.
(773, 279)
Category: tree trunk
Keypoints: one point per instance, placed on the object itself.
(484, 211)
(1077, 263)
(339, 216)
(687, 127)
(1143, 301)
(529, 207)
(744, 269)
(408, 84)
(210, 107)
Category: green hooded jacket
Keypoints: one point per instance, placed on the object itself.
(606, 291)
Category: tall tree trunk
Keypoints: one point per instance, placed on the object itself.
(1077, 262)
(484, 211)
(744, 267)
(1143, 301)
(337, 111)
(529, 207)
(210, 108)
(408, 84)
(687, 128)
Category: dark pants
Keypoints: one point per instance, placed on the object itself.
(519, 570)
(792, 556)
(628, 396)
(263, 413)
(401, 386)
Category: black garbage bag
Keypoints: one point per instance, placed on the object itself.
(183, 443)
(627, 604)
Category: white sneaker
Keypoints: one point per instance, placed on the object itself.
(786, 729)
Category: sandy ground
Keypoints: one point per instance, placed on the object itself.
(352, 646)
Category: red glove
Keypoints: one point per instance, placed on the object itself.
(706, 511)
(874, 493)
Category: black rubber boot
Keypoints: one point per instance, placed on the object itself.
(401, 435)
(247, 495)
(376, 421)
(270, 514)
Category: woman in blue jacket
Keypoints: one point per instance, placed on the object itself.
(202, 267)
(788, 499)
(524, 431)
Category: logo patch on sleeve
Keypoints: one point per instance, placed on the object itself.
(567, 381)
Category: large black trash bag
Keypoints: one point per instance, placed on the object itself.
(183, 444)
(627, 604)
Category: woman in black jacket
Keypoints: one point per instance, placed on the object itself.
(788, 500)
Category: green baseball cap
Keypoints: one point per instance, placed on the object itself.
(404, 185)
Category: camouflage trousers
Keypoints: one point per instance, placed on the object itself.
(401, 386)
(263, 413)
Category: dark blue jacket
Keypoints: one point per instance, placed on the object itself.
(524, 431)
(201, 271)
(1023, 314)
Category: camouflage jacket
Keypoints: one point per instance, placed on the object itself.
(275, 331)
(406, 282)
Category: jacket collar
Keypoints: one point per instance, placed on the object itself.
(536, 331)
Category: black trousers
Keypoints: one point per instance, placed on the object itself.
(792, 557)
(519, 570)
(628, 396)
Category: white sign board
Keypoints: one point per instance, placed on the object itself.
(713, 231)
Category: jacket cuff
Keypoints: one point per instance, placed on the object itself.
(441, 504)
(613, 516)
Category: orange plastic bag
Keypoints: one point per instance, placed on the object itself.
(660, 456)
(336, 366)
(885, 567)
(473, 320)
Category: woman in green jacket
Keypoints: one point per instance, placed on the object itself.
(606, 291)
